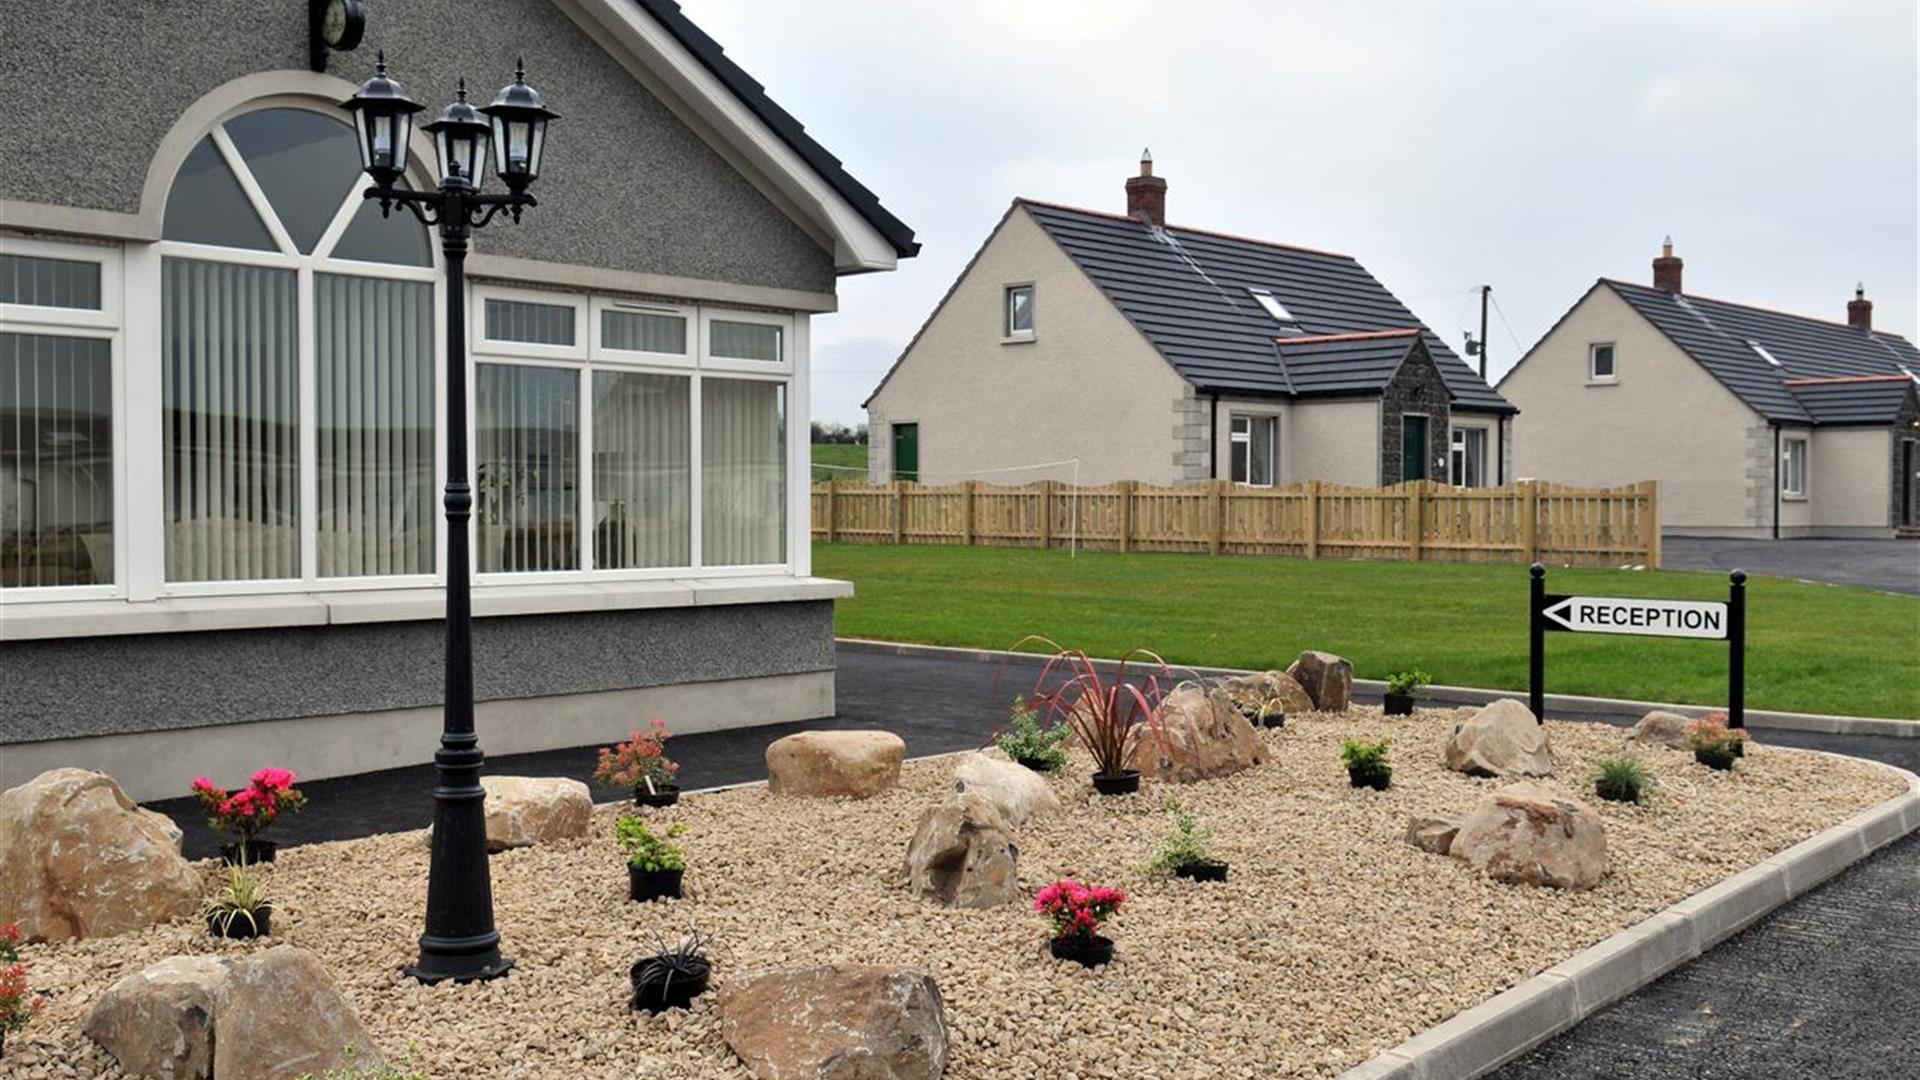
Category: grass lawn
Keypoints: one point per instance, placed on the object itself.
(843, 456)
(1810, 648)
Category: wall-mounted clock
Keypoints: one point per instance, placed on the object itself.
(333, 26)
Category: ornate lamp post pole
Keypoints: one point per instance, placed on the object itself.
(460, 942)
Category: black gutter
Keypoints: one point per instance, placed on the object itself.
(1776, 480)
(1213, 440)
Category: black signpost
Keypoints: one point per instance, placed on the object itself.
(1707, 620)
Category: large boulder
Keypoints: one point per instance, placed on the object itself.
(836, 1023)
(1019, 793)
(1433, 833)
(1327, 679)
(1250, 692)
(963, 853)
(279, 1015)
(1201, 735)
(835, 763)
(1662, 728)
(1529, 834)
(79, 859)
(159, 1022)
(1502, 739)
(524, 810)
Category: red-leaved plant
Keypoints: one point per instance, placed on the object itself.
(17, 1003)
(245, 813)
(1711, 733)
(1108, 713)
(640, 763)
(1077, 910)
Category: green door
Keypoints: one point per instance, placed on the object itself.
(1413, 448)
(906, 452)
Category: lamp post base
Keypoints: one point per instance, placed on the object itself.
(459, 960)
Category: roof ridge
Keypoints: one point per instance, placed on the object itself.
(1756, 307)
(1281, 245)
(1356, 335)
(1821, 380)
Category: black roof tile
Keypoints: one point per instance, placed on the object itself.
(1860, 400)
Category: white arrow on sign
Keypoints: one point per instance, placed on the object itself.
(1656, 618)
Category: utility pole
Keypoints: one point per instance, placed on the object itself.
(1485, 290)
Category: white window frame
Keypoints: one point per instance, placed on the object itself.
(1789, 489)
(1457, 444)
(1008, 334)
(102, 324)
(1241, 443)
(1594, 378)
(710, 362)
(598, 349)
(486, 346)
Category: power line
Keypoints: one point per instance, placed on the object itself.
(1515, 338)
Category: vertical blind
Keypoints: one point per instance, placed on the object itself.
(373, 346)
(526, 454)
(42, 282)
(641, 331)
(56, 460)
(743, 340)
(230, 436)
(534, 324)
(743, 481)
(642, 471)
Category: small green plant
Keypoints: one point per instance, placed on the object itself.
(1407, 683)
(384, 1070)
(1186, 843)
(1366, 763)
(650, 851)
(1031, 744)
(243, 897)
(1621, 779)
(1714, 744)
(654, 976)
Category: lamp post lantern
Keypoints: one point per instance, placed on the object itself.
(460, 942)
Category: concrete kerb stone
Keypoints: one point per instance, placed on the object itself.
(1628, 961)
(1493, 1032)
(716, 788)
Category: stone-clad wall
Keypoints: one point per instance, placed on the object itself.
(1416, 388)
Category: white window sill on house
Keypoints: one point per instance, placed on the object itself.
(182, 614)
(1017, 339)
(1603, 382)
(1786, 496)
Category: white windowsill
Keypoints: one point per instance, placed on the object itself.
(1603, 382)
(1018, 339)
(97, 618)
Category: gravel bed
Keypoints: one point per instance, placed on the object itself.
(1334, 938)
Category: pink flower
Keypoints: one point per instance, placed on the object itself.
(273, 779)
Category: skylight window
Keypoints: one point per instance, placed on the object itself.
(1272, 305)
(1762, 350)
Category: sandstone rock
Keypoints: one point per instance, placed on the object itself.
(278, 1015)
(1662, 728)
(79, 859)
(524, 810)
(963, 853)
(1529, 834)
(1502, 739)
(1327, 679)
(1019, 793)
(159, 1022)
(835, 763)
(1202, 736)
(836, 1023)
(1249, 692)
(1433, 833)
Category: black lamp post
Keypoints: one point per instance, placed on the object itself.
(460, 942)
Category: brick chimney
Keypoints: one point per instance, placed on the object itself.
(1666, 268)
(1860, 309)
(1147, 193)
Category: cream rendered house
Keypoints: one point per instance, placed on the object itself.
(1101, 347)
(1757, 423)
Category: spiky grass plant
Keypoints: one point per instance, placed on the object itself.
(1621, 779)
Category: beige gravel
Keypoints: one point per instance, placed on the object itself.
(1333, 940)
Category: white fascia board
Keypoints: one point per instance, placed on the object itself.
(857, 246)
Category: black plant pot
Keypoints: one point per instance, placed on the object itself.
(240, 929)
(1125, 784)
(646, 885)
(665, 795)
(1377, 779)
(655, 991)
(258, 851)
(1399, 704)
(1087, 951)
(1035, 764)
(1202, 871)
(1715, 759)
(1616, 792)
(1740, 748)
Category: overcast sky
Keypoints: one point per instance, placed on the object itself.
(1534, 147)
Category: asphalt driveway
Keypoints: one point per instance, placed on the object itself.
(1887, 565)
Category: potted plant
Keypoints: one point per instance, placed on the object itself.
(1714, 744)
(17, 1003)
(640, 765)
(1620, 779)
(1183, 851)
(1366, 763)
(241, 909)
(1402, 686)
(655, 863)
(247, 812)
(1025, 741)
(1077, 912)
(672, 977)
(1108, 712)
(1272, 713)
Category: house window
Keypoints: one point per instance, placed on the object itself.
(1793, 467)
(56, 460)
(1600, 363)
(1019, 311)
(743, 477)
(1469, 458)
(1272, 306)
(1253, 442)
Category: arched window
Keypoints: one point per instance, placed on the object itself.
(298, 362)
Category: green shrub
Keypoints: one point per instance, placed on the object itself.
(401, 1070)
(1026, 740)
(650, 851)
(1366, 762)
(1187, 842)
(1406, 683)
(1621, 779)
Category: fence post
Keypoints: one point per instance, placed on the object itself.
(1046, 513)
(1650, 520)
(1529, 521)
(1219, 520)
(1416, 521)
(899, 511)
(1313, 519)
(1126, 515)
(966, 512)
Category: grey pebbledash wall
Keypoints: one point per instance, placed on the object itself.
(625, 185)
(1416, 388)
(69, 688)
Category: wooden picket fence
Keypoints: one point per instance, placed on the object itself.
(1524, 522)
